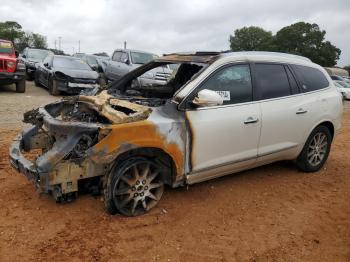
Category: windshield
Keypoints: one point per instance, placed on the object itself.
(70, 63)
(91, 60)
(152, 84)
(141, 58)
(38, 54)
(6, 47)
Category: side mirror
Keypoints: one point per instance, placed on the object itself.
(126, 61)
(207, 97)
(17, 54)
(46, 65)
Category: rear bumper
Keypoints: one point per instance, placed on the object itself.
(10, 78)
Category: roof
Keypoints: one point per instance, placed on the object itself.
(209, 57)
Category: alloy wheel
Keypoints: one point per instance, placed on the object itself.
(138, 189)
(317, 149)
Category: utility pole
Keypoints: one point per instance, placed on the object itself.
(59, 42)
(124, 44)
(79, 46)
(55, 44)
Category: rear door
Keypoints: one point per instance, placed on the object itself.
(283, 110)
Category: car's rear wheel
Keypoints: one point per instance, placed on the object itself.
(135, 187)
(21, 86)
(316, 150)
(53, 89)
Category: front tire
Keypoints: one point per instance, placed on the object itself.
(21, 86)
(316, 150)
(135, 187)
(36, 79)
(53, 89)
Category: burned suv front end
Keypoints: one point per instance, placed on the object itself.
(62, 139)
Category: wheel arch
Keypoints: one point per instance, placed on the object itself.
(329, 125)
(158, 155)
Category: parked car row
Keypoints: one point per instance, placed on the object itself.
(343, 85)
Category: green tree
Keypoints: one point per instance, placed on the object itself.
(307, 40)
(251, 38)
(10, 30)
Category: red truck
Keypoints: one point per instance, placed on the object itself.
(12, 69)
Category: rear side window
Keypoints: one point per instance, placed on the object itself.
(311, 79)
(271, 81)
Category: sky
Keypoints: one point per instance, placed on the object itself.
(166, 26)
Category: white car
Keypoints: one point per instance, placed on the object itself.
(343, 88)
(218, 114)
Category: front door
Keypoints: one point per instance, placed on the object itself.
(224, 138)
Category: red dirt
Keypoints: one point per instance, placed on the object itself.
(271, 213)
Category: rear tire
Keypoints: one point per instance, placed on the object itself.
(53, 89)
(21, 86)
(316, 150)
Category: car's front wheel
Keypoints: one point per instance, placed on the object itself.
(53, 89)
(316, 150)
(134, 188)
(21, 86)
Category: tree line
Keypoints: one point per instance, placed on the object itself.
(13, 31)
(301, 38)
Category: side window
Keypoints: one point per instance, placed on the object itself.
(292, 82)
(311, 78)
(271, 80)
(233, 83)
(116, 56)
(123, 57)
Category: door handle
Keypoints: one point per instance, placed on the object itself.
(251, 120)
(301, 111)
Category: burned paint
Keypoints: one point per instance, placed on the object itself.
(142, 134)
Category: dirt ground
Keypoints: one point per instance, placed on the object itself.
(271, 213)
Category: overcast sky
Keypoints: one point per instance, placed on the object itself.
(163, 26)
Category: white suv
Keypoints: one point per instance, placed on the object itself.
(218, 113)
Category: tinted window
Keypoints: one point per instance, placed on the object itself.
(271, 80)
(70, 63)
(311, 78)
(292, 82)
(116, 56)
(233, 83)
